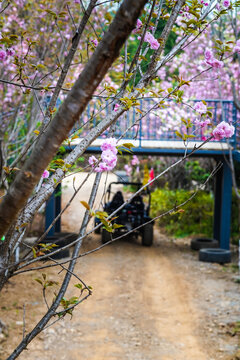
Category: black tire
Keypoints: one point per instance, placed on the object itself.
(204, 243)
(147, 235)
(106, 236)
(220, 256)
(61, 239)
(60, 255)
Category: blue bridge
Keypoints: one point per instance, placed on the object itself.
(155, 134)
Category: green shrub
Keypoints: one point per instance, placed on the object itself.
(235, 228)
(196, 219)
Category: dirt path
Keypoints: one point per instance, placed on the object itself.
(155, 303)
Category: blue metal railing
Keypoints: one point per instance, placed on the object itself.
(160, 123)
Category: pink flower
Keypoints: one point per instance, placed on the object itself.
(94, 42)
(108, 157)
(211, 60)
(200, 107)
(109, 144)
(154, 44)
(135, 160)
(128, 169)
(223, 130)
(92, 160)
(226, 3)
(116, 107)
(202, 123)
(139, 23)
(3, 55)
(217, 64)
(237, 47)
(208, 54)
(10, 52)
(45, 174)
(138, 26)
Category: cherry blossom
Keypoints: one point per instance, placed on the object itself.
(108, 156)
(223, 130)
(138, 26)
(202, 123)
(154, 44)
(237, 47)
(109, 144)
(135, 160)
(3, 55)
(116, 107)
(94, 42)
(200, 107)
(45, 174)
(128, 169)
(226, 3)
(92, 160)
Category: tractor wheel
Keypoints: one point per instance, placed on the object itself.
(147, 235)
(106, 236)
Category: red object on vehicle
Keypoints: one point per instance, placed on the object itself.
(151, 175)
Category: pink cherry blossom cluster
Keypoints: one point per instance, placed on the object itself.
(5, 53)
(149, 38)
(135, 160)
(211, 60)
(202, 2)
(45, 174)
(116, 107)
(138, 26)
(94, 42)
(128, 169)
(200, 107)
(237, 46)
(202, 123)
(223, 130)
(226, 3)
(108, 156)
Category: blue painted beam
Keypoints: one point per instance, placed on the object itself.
(166, 152)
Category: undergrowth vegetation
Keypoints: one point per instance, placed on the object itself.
(195, 218)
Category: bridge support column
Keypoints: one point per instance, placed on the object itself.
(53, 208)
(222, 206)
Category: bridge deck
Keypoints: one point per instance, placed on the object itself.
(159, 147)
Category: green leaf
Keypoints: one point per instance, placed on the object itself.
(179, 134)
(85, 204)
(128, 145)
(39, 281)
(101, 214)
(79, 286)
(117, 226)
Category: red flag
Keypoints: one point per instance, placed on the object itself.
(151, 174)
